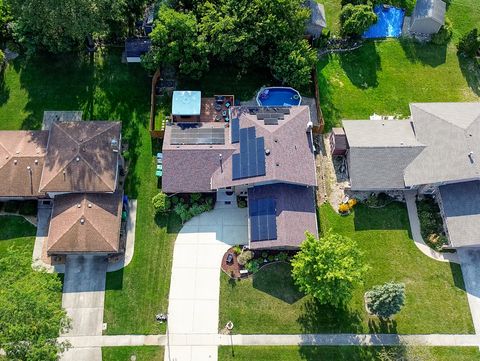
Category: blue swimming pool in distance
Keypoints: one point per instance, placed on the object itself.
(389, 24)
(278, 97)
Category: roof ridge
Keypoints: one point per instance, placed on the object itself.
(110, 126)
(62, 169)
(100, 233)
(441, 118)
(94, 171)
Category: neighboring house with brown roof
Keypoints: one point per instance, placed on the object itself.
(75, 164)
(436, 151)
(266, 154)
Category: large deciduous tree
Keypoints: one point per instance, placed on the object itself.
(31, 316)
(176, 41)
(355, 19)
(58, 26)
(328, 268)
(293, 63)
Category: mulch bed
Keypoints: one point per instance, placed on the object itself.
(233, 270)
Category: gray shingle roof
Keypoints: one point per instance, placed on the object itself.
(450, 132)
(434, 9)
(317, 17)
(379, 152)
(461, 207)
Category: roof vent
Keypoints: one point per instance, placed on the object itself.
(267, 151)
(309, 126)
(89, 205)
(29, 168)
(82, 220)
(15, 162)
(470, 155)
(77, 159)
(36, 161)
(114, 144)
(277, 164)
(275, 140)
(78, 205)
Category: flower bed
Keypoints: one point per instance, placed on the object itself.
(431, 224)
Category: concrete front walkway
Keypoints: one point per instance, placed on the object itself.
(417, 235)
(195, 283)
(83, 299)
(209, 340)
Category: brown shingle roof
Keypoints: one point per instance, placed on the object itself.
(85, 223)
(80, 157)
(295, 213)
(18, 151)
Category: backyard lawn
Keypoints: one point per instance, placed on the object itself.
(435, 299)
(384, 76)
(309, 353)
(142, 353)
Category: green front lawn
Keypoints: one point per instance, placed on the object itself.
(346, 353)
(142, 353)
(435, 299)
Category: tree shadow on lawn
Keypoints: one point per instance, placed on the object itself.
(425, 53)
(330, 112)
(114, 280)
(376, 325)
(102, 87)
(361, 65)
(456, 270)
(393, 216)
(4, 90)
(318, 318)
(276, 280)
(471, 71)
(353, 353)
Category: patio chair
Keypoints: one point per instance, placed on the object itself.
(159, 173)
(159, 167)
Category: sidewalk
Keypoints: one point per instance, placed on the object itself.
(342, 339)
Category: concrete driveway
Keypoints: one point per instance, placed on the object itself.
(195, 283)
(470, 261)
(83, 299)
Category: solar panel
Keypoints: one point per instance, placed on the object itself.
(251, 159)
(263, 224)
(197, 135)
(271, 121)
(235, 130)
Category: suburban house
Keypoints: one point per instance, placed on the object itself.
(428, 16)
(76, 167)
(436, 151)
(317, 21)
(264, 154)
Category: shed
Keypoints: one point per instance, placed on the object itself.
(135, 48)
(428, 16)
(317, 21)
(338, 142)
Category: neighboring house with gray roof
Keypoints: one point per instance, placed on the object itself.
(436, 151)
(317, 21)
(263, 154)
(428, 16)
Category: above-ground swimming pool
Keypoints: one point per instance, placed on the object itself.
(389, 24)
(278, 97)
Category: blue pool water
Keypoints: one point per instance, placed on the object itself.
(389, 24)
(279, 96)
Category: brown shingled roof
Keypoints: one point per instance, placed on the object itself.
(85, 223)
(80, 157)
(21, 162)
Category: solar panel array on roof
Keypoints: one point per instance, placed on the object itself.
(197, 135)
(235, 130)
(263, 225)
(250, 162)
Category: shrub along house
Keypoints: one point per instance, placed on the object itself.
(263, 154)
(76, 166)
(436, 151)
